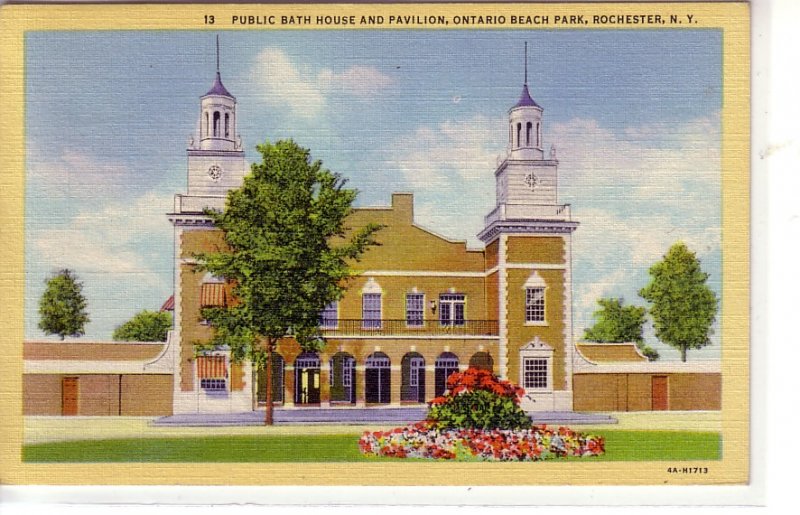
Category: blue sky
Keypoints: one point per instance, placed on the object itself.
(634, 117)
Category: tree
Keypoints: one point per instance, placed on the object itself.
(617, 323)
(683, 306)
(287, 256)
(145, 326)
(62, 307)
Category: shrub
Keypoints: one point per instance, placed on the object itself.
(476, 399)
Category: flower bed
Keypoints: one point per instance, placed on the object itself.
(423, 440)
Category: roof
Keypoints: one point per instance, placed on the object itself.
(218, 88)
(610, 352)
(525, 99)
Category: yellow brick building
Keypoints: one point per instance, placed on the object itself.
(421, 307)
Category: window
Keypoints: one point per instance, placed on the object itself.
(371, 310)
(329, 318)
(415, 306)
(212, 372)
(534, 304)
(535, 373)
(528, 128)
(451, 308)
(519, 133)
(227, 125)
(216, 124)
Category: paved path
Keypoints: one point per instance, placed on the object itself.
(354, 416)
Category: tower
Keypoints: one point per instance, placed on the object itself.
(216, 161)
(216, 164)
(528, 239)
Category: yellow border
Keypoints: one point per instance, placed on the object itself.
(732, 18)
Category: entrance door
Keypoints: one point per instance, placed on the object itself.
(277, 381)
(413, 376)
(308, 391)
(446, 364)
(377, 379)
(660, 391)
(342, 378)
(69, 396)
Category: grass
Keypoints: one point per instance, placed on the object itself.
(620, 446)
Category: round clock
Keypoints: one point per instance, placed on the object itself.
(531, 180)
(215, 172)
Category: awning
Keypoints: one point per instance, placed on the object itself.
(212, 295)
(211, 367)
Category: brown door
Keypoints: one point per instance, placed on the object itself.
(69, 396)
(660, 393)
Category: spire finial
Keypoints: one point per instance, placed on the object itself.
(217, 53)
(526, 63)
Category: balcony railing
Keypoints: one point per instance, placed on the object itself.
(198, 203)
(558, 212)
(384, 327)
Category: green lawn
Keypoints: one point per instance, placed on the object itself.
(620, 446)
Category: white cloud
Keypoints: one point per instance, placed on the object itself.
(75, 174)
(117, 238)
(284, 82)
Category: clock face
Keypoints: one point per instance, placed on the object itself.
(531, 181)
(215, 172)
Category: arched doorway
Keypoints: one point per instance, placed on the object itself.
(412, 388)
(278, 366)
(482, 361)
(343, 378)
(306, 378)
(378, 378)
(446, 364)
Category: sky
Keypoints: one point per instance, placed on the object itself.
(634, 117)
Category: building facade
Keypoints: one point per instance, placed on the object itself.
(421, 307)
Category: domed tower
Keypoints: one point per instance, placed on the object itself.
(528, 238)
(215, 157)
(525, 124)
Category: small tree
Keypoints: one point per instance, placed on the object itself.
(684, 307)
(62, 307)
(145, 326)
(618, 323)
(287, 256)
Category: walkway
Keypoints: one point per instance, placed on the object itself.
(354, 416)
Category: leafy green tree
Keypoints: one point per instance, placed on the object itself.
(618, 323)
(683, 306)
(287, 256)
(62, 307)
(145, 326)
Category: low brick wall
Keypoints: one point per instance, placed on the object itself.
(100, 394)
(634, 391)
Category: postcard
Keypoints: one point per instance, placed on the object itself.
(377, 244)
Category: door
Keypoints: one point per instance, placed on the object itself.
(342, 378)
(308, 393)
(446, 364)
(660, 390)
(413, 377)
(69, 396)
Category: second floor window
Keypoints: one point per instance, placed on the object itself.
(329, 317)
(371, 310)
(534, 304)
(415, 304)
(451, 308)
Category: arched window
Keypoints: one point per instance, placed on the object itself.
(227, 125)
(519, 133)
(528, 129)
(205, 132)
(216, 124)
(538, 134)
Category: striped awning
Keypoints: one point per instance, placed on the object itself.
(212, 295)
(211, 367)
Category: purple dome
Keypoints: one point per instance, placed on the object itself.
(218, 88)
(525, 99)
